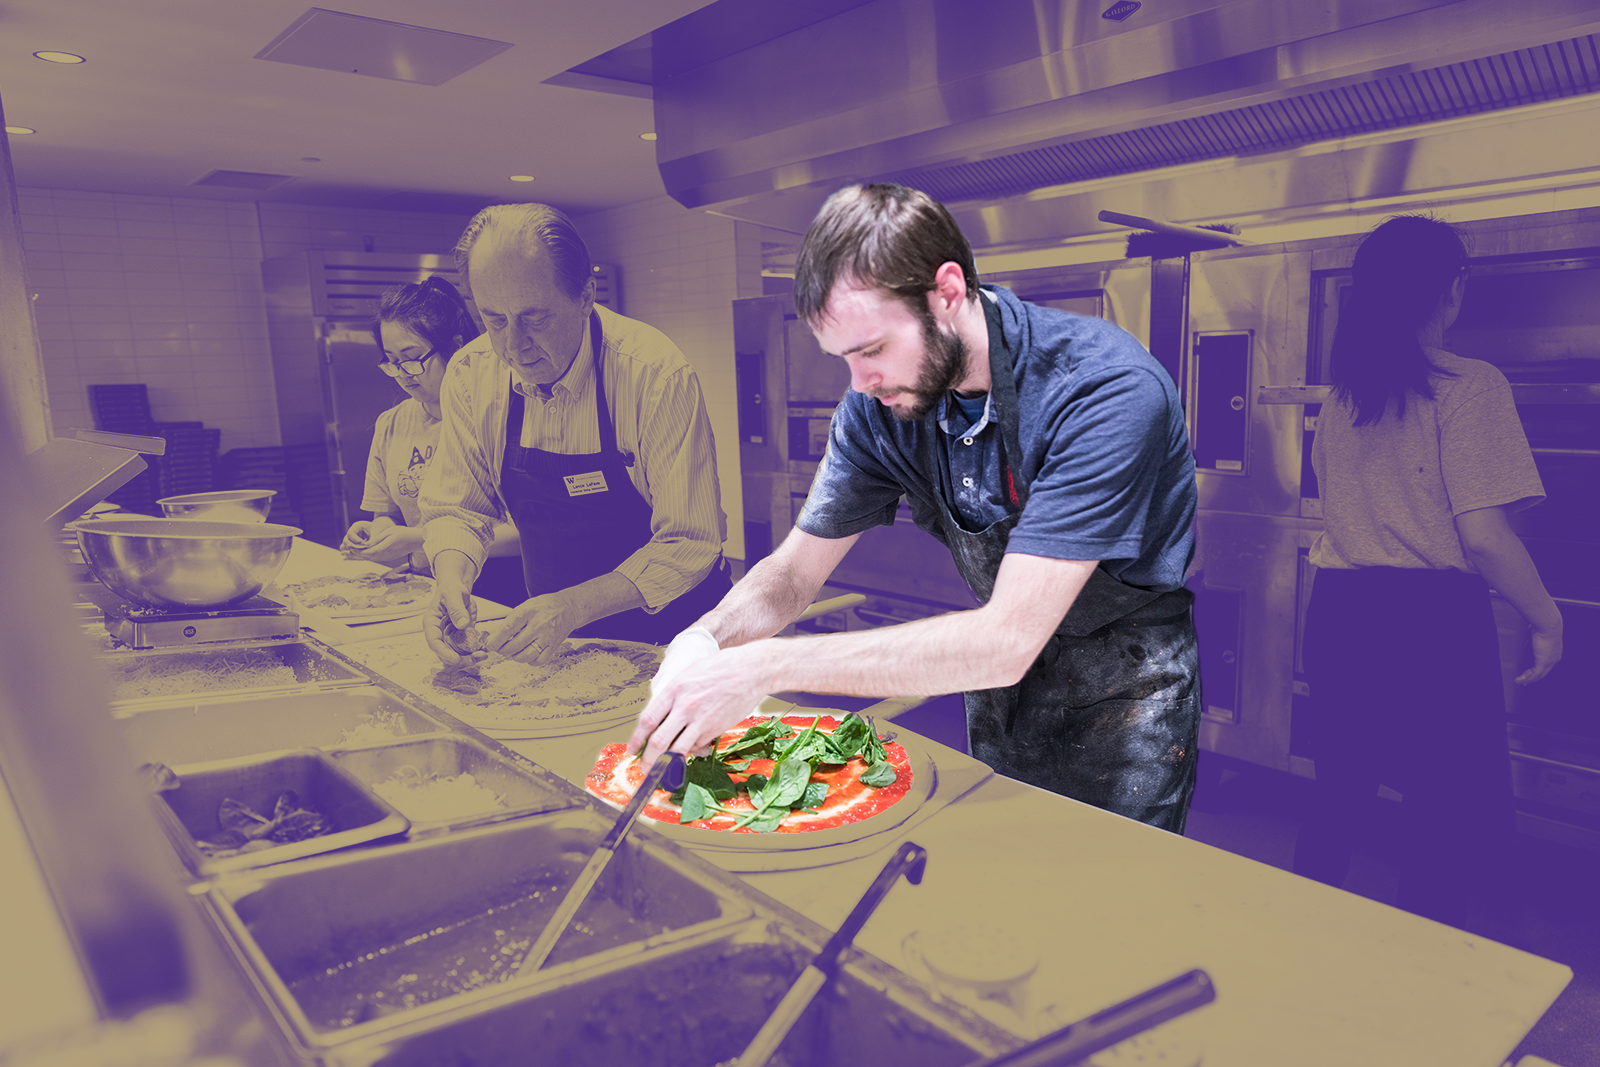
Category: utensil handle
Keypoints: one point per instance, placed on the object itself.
(1117, 1023)
(668, 766)
(909, 860)
(783, 1018)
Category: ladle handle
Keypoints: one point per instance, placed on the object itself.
(667, 769)
(910, 860)
(1119, 1022)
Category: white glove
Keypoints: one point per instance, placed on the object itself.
(694, 644)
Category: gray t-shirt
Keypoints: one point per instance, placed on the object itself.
(1391, 490)
(403, 443)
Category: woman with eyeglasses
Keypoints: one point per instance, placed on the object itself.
(418, 328)
(1420, 457)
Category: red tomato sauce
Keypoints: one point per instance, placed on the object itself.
(844, 785)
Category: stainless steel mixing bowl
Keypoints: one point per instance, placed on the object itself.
(183, 563)
(228, 505)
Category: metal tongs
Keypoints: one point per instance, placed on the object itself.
(667, 773)
(910, 860)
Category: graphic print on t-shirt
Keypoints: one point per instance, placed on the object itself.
(411, 480)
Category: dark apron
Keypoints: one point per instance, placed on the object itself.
(579, 516)
(1109, 713)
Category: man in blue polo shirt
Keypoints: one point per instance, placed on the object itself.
(1047, 451)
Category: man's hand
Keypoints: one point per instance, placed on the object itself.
(695, 643)
(708, 696)
(451, 608)
(534, 632)
(381, 541)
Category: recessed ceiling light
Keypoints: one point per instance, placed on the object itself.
(647, 137)
(21, 129)
(310, 159)
(58, 57)
(522, 177)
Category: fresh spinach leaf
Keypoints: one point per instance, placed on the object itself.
(697, 802)
(788, 784)
(815, 794)
(764, 822)
(880, 774)
(754, 783)
(758, 739)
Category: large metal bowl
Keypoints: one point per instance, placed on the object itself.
(227, 505)
(183, 563)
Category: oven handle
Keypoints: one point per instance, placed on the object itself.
(1547, 761)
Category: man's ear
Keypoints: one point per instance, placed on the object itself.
(949, 289)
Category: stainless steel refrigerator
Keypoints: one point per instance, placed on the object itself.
(320, 306)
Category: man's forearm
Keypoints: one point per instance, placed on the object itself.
(603, 595)
(764, 601)
(944, 654)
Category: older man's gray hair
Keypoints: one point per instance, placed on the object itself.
(541, 223)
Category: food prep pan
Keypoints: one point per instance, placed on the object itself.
(506, 788)
(345, 947)
(160, 676)
(189, 812)
(216, 728)
(696, 1005)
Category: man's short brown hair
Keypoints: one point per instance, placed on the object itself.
(883, 236)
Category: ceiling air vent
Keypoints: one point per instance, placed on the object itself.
(241, 179)
(355, 44)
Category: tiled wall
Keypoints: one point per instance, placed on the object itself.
(155, 290)
(167, 291)
(681, 270)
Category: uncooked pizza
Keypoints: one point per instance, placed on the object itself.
(338, 595)
(792, 774)
(592, 682)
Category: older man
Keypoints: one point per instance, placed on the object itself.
(585, 429)
(1047, 451)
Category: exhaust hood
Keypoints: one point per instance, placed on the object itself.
(978, 102)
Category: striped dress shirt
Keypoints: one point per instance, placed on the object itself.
(659, 414)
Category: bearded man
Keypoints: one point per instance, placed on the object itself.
(1047, 451)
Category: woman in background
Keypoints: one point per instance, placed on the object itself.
(418, 328)
(1420, 458)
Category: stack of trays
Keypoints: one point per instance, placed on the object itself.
(310, 489)
(259, 468)
(190, 462)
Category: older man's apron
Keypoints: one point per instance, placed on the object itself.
(579, 516)
(1109, 713)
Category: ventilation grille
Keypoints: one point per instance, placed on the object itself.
(241, 179)
(1512, 79)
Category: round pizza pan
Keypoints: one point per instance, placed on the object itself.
(753, 853)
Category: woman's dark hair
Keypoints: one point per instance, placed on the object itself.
(433, 310)
(885, 236)
(1403, 271)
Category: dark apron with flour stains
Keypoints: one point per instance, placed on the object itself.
(579, 516)
(1109, 712)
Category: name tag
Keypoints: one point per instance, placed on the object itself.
(584, 484)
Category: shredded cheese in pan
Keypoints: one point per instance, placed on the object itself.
(182, 674)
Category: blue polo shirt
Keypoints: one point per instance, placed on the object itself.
(1105, 455)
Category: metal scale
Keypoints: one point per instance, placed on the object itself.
(256, 619)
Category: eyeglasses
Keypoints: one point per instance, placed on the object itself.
(412, 367)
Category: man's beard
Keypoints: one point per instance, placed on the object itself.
(944, 364)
